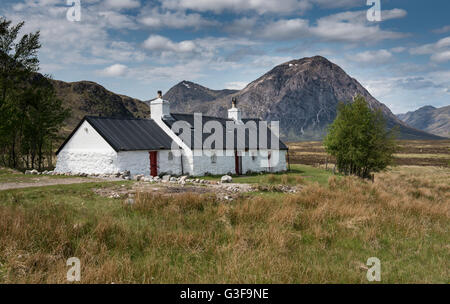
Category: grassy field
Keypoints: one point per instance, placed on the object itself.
(410, 153)
(322, 234)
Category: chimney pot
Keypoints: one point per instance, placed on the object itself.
(233, 102)
(159, 94)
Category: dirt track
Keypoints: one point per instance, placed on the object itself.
(45, 181)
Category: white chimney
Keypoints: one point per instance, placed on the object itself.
(234, 113)
(159, 108)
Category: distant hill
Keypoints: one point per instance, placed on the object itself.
(90, 98)
(302, 94)
(187, 96)
(430, 119)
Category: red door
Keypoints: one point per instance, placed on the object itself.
(237, 163)
(153, 163)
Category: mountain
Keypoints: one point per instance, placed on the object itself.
(430, 119)
(302, 94)
(90, 98)
(186, 96)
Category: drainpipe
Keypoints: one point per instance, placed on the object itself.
(289, 161)
(181, 159)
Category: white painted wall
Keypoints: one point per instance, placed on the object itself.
(225, 163)
(87, 152)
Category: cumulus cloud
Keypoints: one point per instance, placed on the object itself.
(441, 56)
(219, 6)
(122, 4)
(161, 44)
(155, 18)
(354, 27)
(373, 57)
(285, 29)
(117, 20)
(439, 51)
(114, 70)
(338, 3)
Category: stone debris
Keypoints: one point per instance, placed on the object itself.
(226, 179)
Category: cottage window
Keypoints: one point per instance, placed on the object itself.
(253, 156)
(213, 159)
(170, 156)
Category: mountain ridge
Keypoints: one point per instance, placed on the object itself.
(430, 119)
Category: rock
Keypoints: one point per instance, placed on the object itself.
(182, 180)
(226, 179)
(28, 172)
(51, 173)
(127, 178)
(166, 178)
(138, 177)
(156, 179)
(34, 172)
(173, 179)
(126, 173)
(45, 172)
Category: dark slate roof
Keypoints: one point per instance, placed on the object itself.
(189, 118)
(127, 134)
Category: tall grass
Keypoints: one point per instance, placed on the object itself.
(320, 235)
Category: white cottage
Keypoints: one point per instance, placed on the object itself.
(156, 146)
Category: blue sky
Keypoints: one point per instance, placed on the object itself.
(136, 47)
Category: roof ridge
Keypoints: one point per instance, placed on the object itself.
(116, 118)
(208, 116)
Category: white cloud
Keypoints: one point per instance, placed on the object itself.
(353, 27)
(338, 3)
(285, 29)
(439, 51)
(442, 30)
(372, 57)
(114, 70)
(235, 85)
(154, 18)
(399, 49)
(122, 4)
(395, 13)
(117, 20)
(161, 44)
(441, 56)
(218, 6)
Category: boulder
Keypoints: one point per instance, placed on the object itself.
(166, 178)
(226, 179)
(28, 172)
(34, 172)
